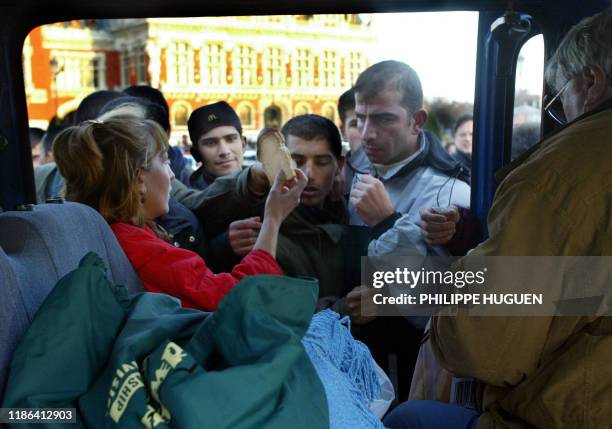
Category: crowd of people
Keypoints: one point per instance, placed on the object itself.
(194, 234)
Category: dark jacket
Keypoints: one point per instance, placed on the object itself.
(465, 161)
(215, 248)
(200, 179)
(179, 164)
(182, 225)
(313, 243)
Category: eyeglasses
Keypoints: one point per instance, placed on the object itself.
(554, 107)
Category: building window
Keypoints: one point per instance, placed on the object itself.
(330, 20)
(245, 113)
(302, 109)
(213, 64)
(181, 115)
(133, 65)
(27, 64)
(125, 66)
(80, 71)
(273, 117)
(245, 66)
(355, 66)
(95, 73)
(329, 69)
(273, 67)
(329, 111)
(303, 67)
(526, 123)
(141, 64)
(179, 64)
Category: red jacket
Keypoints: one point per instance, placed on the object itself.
(181, 273)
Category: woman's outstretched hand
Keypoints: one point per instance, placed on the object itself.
(284, 196)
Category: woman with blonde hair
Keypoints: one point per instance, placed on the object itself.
(119, 166)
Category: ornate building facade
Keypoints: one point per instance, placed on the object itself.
(269, 68)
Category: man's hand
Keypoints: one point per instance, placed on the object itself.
(258, 181)
(353, 304)
(243, 234)
(439, 224)
(371, 200)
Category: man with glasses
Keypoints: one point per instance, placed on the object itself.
(546, 371)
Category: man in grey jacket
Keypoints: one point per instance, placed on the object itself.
(410, 170)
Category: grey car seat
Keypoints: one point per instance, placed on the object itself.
(39, 247)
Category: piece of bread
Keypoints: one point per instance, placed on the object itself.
(274, 155)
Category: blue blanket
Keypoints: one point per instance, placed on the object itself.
(345, 367)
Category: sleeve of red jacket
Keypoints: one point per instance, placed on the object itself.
(184, 274)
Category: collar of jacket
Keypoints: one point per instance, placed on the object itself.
(462, 157)
(312, 221)
(200, 179)
(503, 172)
(358, 161)
(435, 156)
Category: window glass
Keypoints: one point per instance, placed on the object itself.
(528, 96)
(245, 113)
(181, 115)
(268, 68)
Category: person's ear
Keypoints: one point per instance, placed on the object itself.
(420, 117)
(141, 187)
(595, 86)
(244, 142)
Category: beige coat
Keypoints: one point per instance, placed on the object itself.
(544, 371)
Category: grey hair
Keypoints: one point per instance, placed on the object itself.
(588, 43)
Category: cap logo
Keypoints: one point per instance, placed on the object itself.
(212, 117)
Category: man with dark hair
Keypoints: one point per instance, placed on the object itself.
(217, 142)
(314, 240)
(462, 133)
(36, 136)
(152, 110)
(409, 171)
(316, 147)
(150, 93)
(348, 120)
(49, 183)
(90, 106)
(410, 168)
(356, 159)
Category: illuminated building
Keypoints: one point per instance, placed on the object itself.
(268, 68)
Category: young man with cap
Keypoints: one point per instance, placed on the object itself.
(217, 142)
(216, 134)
